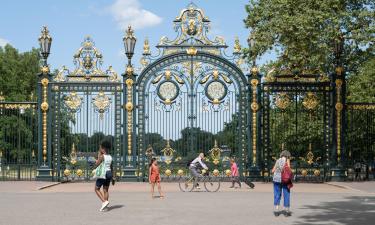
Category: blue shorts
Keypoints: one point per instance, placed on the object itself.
(102, 182)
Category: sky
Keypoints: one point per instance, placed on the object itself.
(69, 21)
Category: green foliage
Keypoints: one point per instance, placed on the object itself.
(16, 137)
(361, 87)
(303, 32)
(18, 81)
(18, 73)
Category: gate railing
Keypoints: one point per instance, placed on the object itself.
(360, 141)
(18, 140)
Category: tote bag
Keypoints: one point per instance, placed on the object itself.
(100, 171)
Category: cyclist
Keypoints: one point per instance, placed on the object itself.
(194, 166)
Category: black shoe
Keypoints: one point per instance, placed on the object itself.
(276, 213)
(287, 213)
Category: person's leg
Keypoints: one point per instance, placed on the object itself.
(98, 185)
(106, 194)
(99, 194)
(195, 174)
(286, 194)
(276, 196)
(238, 181)
(233, 181)
(152, 189)
(159, 189)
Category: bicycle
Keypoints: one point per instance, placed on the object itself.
(210, 183)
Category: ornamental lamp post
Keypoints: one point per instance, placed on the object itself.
(129, 95)
(45, 41)
(129, 44)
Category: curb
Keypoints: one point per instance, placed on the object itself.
(47, 186)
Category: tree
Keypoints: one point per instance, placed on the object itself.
(17, 82)
(18, 73)
(303, 33)
(361, 86)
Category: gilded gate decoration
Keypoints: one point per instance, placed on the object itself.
(190, 96)
(86, 108)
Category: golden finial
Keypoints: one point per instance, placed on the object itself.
(237, 46)
(146, 47)
(45, 34)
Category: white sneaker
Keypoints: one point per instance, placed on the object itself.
(104, 204)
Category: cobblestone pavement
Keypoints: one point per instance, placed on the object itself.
(131, 203)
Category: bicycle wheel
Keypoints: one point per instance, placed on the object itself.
(212, 184)
(186, 184)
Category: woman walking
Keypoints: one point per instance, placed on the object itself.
(103, 173)
(235, 174)
(154, 177)
(281, 183)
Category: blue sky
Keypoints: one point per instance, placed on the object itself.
(69, 21)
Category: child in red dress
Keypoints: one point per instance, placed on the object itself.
(154, 177)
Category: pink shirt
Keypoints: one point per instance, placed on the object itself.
(234, 170)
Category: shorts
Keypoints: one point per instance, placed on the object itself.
(102, 182)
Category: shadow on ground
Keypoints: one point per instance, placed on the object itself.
(114, 207)
(354, 210)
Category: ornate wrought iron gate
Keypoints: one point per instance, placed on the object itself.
(189, 98)
(192, 99)
(296, 117)
(85, 109)
(18, 139)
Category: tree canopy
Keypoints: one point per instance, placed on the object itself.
(18, 73)
(303, 33)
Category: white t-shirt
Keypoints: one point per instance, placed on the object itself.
(107, 162)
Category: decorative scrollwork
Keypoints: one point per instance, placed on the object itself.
(73, 101)
(283, 101)
(215, 153)
(192, 26)
(168, 91)
(311, 101)
(88, 61)
(216, 90)
(168, 152)
(101, 103)
(310, 158)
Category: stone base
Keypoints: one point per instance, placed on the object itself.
(44, 174)
(255, 174)
(129, 174)
(338, 174)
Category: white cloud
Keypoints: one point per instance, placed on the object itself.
(130, 12)
(3, 42)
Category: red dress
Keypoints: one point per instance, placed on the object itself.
(155, 175)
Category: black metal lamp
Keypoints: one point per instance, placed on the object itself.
(45, 41)
(129, 43)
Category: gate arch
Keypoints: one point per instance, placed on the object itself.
(192, 99)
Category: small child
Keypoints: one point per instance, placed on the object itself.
(235, 174)
(154, 177)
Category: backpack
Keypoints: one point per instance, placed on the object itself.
(286, 175)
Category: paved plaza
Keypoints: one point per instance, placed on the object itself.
(131, 203)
